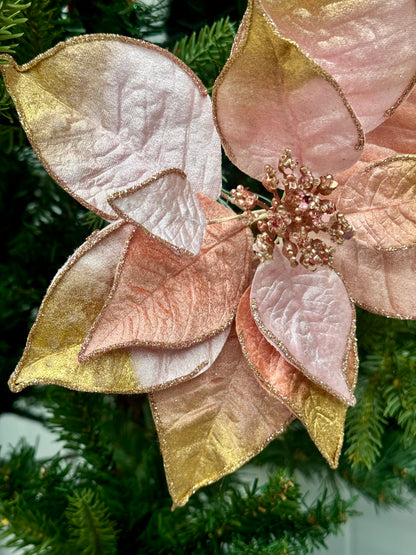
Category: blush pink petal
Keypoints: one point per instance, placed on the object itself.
(380, 203)
(105, 113)
(271, 96)
(398, 132)
(379, 281)
(308, 317)
(162, 368)
(167, 208)
(165, 300)
(367, 45)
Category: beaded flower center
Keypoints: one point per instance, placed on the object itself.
(293, 215)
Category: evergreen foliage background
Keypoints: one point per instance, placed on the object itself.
(105, 493)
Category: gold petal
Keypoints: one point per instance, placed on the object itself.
(322, 414)
(71, 304)
(210, 426)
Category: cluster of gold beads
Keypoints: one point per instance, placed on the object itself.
(293, 215)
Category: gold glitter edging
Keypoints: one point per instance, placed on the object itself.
(331, 460)
(179, 500)
(284, 351)
(237, 51)
(90, 242)
(390, 111)
(51, 52)
(179, 345)
(131, 190)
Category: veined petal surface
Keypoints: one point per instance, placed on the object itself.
(322, 414)
(380, 203)
(71, 304)
(309, 318)
(367, 45)
(164, 300)
(210, 426)
(105, 112)
(271, 96)
(167, 208)
(378, 280)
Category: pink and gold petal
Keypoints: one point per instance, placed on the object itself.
(309, 318)
(71, 304)
(271, 96)
(367, 45)
(210, 426)
(164, 300)
(152, 114)
(322, 414)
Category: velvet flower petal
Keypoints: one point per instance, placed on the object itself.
(212, 425)
(379, 201)
(271, 96)
(322, 414)
(152, 115)
(163, 299)
(308, 318)
(368, 46)
(68, 311)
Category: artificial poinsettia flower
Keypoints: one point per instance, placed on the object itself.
(153, 319)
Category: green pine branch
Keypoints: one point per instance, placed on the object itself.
(92, 531)
(11, 17)
(206, 52)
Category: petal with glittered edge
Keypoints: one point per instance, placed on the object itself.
(378, 280)
(398, 132)
(380, 203)
(271, 96)
(164, 300)
(165, 206)
(162, 368)
(68, 310)
(322, 414)
(210, 426)
(367, 45)
(152, 113)
(308, 317)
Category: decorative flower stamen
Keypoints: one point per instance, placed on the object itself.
(293, 216)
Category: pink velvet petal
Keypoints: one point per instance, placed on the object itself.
(165, 300)
(380, 281)
(380, 203)
(162, 368)
(271, 96)
(322, 414)
(308, 317)
(105, 112)
(367, 45)
(399, 131)
(210, 426)
(167, 208)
